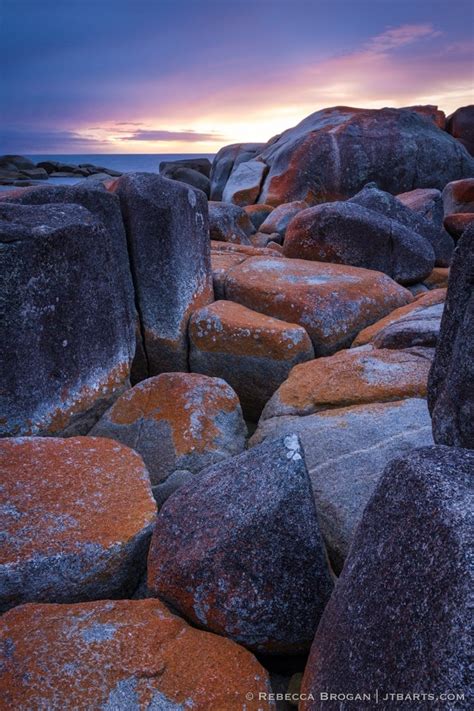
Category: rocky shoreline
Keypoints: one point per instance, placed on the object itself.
(20, 171)
(237, 423)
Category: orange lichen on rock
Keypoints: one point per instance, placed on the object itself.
(77, 512)
(177, 421)
(123, 654)
(438, 279)
(350, 377)
(228, 327)
(175, 397)
(332, 302)
(423, 301)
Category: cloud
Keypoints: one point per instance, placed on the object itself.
(163, 136)
(30, 141)
(396, 37)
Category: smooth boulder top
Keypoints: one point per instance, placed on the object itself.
(78, 514)
(123, 655)
(67, 331)
(460, 124)
(399, 618)
(246, 560)
(177, 421)
(332, 302)
(350, 377)
(349, 233)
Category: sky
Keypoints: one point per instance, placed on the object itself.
(189, 76)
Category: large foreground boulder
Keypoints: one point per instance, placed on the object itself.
(239, 552)
(346, 450)
(78, 514)
(333, 153)
(68, 329)
(177, 421)
(167, 230)
(451, 382)
(332, 302)
(254, 353)
(106, 209)
(124, 655)
(399, 619)
(348, 233)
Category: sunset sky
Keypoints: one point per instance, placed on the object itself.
(188, 76)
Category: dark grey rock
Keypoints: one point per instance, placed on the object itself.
(201, 165)
(238, 551)
(451, 379)
(280, 218)
(229, 223)
(385, 203)
(187, 175)
(346, 450)
(176, 479)
(460, 124)
(15, 163)
(168, 240)
(348, 233)
(420, 329)
(67, 334)
(399, 618)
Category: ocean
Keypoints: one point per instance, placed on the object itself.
(126, 163)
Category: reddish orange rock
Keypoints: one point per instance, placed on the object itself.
(458, 196)
(221, 263)
(438, 279)
(350, 377)
(123, 654)
(177, 421)
(258, 213)
(332, 302)
(456, 223)
(247, 249)
(254, 353)
(78, 515)
(416, 310)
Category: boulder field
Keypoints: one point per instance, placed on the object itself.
(236, 424)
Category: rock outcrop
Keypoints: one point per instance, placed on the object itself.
(451, 382)
(333, 153)
(398, 620)
(78, 514)
(230, 564)
(124, 654)
(68, 331)
(177, 421)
